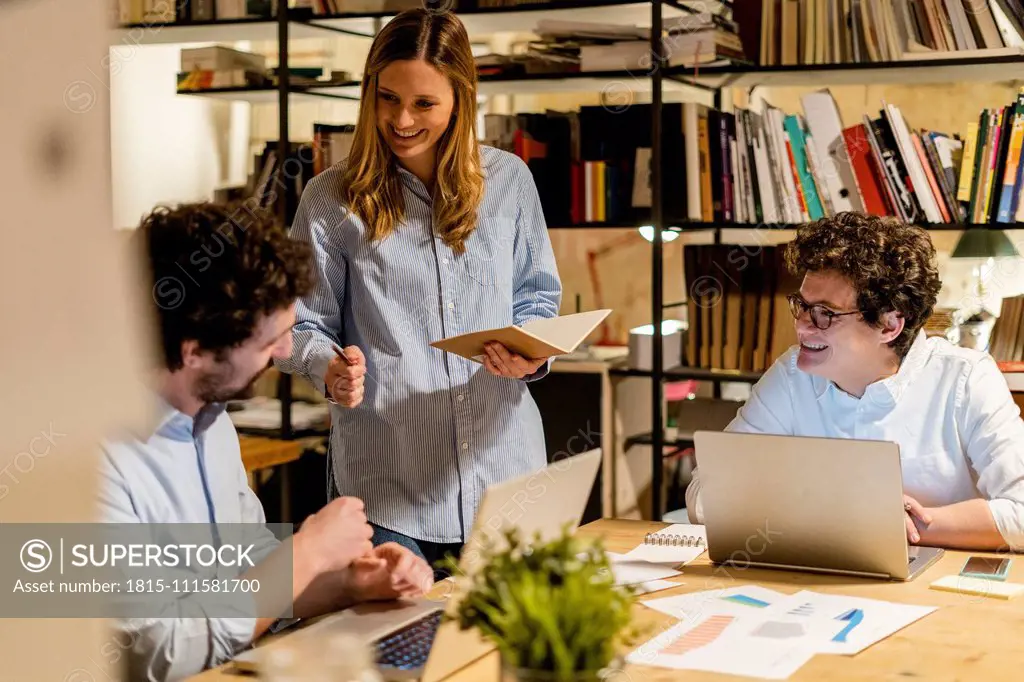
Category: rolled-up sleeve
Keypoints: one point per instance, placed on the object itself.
(769, 409)
(993, 436)
(181, 645)
(537, 287)
(318, 317)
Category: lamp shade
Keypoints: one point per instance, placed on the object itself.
(984, 243)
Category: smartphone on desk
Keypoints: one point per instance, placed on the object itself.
(989, 568)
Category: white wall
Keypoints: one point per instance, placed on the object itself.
(166, 147)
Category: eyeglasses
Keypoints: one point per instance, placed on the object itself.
(821, 316)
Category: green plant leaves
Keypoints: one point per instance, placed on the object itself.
(550, 606)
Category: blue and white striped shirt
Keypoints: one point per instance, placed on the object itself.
(434, 429)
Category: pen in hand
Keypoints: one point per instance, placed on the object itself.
(341, 354)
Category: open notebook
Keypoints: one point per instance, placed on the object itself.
(536, 339)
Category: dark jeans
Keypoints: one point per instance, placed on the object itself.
(431, 552)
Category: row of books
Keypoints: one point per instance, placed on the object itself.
(751, 167)
(993, 176)
(189, 11)
(1006, 343)
(737, 313)
(754, 167)
(794, 32)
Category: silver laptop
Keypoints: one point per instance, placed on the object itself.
(410, 639)
(817, 504)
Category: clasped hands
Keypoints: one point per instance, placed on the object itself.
(913, 512)
(346, 374)
(336, 541)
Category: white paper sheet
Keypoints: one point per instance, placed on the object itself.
(651, 586)
(631, 572)
(865, 621)
(671, 555)
(732, 601)
(755, 644)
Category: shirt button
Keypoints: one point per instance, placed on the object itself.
(444, 261)
(465, 445)
(460, 397)
(451, 306)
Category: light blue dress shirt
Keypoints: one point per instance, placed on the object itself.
(185, 471)
(434, 429)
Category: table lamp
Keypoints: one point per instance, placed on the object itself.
(985, 245)
(667, 234)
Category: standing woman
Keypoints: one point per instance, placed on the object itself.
(423, 234)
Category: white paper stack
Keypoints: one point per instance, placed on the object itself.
(757, 632)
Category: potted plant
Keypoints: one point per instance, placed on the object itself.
(551, 608)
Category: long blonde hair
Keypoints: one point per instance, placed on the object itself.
(371, 186)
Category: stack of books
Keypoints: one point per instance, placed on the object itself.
(689, 40)
(217, 66)
(791, 32)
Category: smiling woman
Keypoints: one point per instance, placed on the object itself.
(421, 234)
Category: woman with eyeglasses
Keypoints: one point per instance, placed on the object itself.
(864, 368)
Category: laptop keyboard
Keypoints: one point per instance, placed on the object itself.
(407, 649)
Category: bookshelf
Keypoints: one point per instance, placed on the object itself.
(661, 84)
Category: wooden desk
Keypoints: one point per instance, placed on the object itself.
(260, 453)
(966, 638)
(263, 453)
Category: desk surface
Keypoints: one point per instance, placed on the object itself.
(967, 637)
(261, 453)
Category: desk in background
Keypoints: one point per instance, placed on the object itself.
(259, 454)
(966, 638)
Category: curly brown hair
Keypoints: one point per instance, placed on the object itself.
(216, 271)
(890, 264)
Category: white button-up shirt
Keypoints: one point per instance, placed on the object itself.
(948, 408)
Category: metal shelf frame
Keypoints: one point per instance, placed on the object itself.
(659, 79)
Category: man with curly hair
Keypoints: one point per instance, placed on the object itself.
(864, 368)
(225, 281)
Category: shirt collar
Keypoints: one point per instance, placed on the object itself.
(174, 424)
(891, 388)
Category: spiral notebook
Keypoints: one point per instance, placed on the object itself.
(675, 546)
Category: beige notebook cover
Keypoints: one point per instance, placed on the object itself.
(535, 339)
